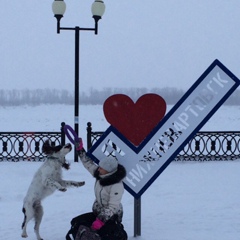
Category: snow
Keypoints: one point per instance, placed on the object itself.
(189, 200)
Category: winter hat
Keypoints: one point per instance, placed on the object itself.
(109, 164)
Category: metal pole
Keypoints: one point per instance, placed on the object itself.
(76, 109)
(137, 217)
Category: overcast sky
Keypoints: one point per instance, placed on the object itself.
(141, 43)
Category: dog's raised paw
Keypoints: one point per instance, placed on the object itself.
(63, 189)
(79, 184)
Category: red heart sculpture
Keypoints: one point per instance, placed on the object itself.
(134, 120)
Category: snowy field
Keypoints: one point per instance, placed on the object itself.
(188, 201)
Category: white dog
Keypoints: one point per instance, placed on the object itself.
(45, 181)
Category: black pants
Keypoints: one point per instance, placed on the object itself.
(85, 219)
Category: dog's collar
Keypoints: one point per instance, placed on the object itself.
(65, 165)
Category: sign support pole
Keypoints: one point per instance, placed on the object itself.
(137, 217)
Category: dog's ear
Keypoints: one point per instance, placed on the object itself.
(46, 148)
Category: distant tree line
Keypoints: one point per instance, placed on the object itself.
(35, 97)
(92, 97)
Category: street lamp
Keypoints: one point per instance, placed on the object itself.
(59, 8)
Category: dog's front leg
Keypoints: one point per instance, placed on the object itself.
(72, 183)
(54, 185)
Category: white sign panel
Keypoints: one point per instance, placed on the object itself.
(147, 161)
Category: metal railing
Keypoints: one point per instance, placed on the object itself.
(27, 146)
(204, 146)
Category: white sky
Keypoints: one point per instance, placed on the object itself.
(147, 43)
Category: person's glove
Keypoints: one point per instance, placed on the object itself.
(97, 224)
(79, 144)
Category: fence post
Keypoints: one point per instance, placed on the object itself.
(89, 135)
(63, 138)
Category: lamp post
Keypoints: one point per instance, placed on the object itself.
(59, 8)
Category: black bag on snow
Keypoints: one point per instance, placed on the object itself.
(113, 230)
(86, 233)
(84, 219)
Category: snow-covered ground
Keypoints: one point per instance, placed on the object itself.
(188, 201)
